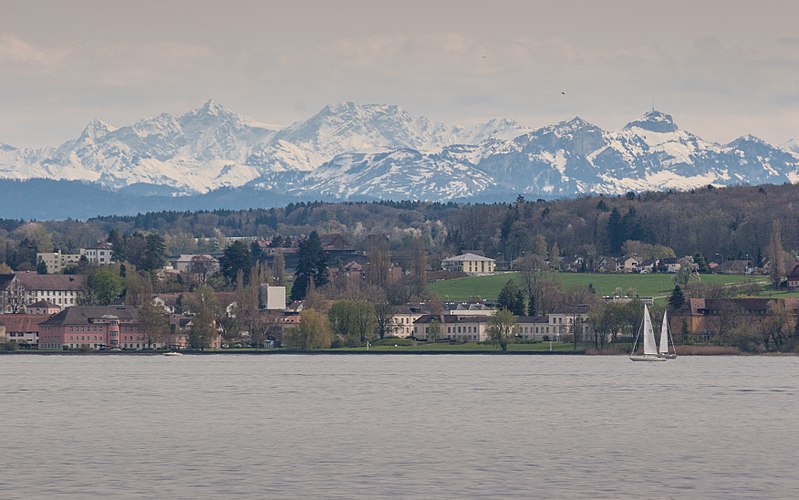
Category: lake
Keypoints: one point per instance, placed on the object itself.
(418, 426)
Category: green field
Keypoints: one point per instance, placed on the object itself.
(646, 285)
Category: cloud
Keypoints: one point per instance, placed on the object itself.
(16, 50)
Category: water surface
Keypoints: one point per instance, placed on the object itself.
(446, 426)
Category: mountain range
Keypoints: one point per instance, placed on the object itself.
(370, 152)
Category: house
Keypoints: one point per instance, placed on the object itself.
(57, 262)
(739, 266)
(351, 273)
(704, 319)
(99, 254)
(469, 263)
(403, 317)
(793, 278)
(631, 264)
(452, 327)
(606, 265)
(338, 248)
(178, 336)
(196, 263)
(671, 264)
(22, 328)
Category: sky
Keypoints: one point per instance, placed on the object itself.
(722, 69)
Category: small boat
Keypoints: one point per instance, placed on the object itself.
(665, 340)
(650, 346)
(173, 353)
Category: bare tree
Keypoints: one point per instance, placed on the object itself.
(16, 297)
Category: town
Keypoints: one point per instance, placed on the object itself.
(288, 295)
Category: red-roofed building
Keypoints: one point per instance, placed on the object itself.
(22, 328)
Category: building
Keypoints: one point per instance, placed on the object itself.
(271, 298)
(92, 327)
(196, 263)
(63, 290)
(43, 307)
(99, 254)
(22, 328)
(702, 320)
(536, 328)
(793, 278)
(452, 327)
(58, 262)
(570, 320)
(402, 319)
(469, 263)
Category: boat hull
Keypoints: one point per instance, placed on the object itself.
(645, 357)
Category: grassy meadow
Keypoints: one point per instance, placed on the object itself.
(646, 285)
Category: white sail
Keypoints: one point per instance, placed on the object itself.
(650, 346)
(664, 335)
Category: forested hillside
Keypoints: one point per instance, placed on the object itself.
(731, 222)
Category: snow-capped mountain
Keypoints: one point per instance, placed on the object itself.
(351, 151)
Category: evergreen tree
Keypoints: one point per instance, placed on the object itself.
(615, 231)
(236, 259)
(511, 298)
(677, 298)
(312, 265)
(154, 253)
(118, 243)
(41, 268)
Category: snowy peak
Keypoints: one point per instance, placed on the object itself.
(350, 150)
(654, 121)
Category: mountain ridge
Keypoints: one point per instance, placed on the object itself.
(380, 151)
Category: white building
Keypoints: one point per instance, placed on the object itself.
(99, 254)
(469, 263)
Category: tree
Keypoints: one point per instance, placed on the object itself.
(687, 271)
(154, 253)
(419, 267)
(203, 326)
(279, 269)
(16, 297)
(353, 321)
(106, 286)
(41, 268)
(677, 299)
(379, 261)
(154, 322)
(776, 255)
(312, 266)
(501, 327)
(384, 314)
(433, 331)
(554, 257)
(236, 259)
(511, 298)
(312, 333)
(530, 275)
(117, 242)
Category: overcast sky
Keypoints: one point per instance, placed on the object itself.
(721, 68)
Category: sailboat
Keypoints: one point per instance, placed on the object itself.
(650, 346)
(666, 340)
